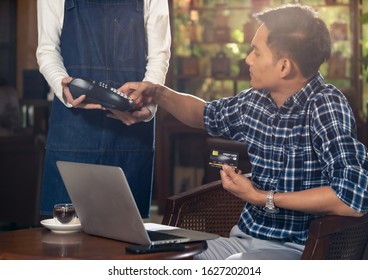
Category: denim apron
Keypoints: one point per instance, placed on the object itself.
(102, 40)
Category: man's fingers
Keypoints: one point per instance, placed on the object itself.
(228, 170)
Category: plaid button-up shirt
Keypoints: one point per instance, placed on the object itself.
(307, 143)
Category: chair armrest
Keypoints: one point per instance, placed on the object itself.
(208, 207)
(337, 237)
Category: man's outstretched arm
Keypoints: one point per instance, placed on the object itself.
(186, 108)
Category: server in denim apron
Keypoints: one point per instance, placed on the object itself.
(103, 41)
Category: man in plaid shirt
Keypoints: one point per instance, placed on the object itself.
(300, 134)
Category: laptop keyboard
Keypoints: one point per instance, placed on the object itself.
(156, 235)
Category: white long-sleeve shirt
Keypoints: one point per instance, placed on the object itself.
(50, 14)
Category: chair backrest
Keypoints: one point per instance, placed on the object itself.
(337, 238)
(207, 208)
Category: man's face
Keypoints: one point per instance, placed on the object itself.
(262, 67)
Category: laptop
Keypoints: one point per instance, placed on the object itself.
(106, 207)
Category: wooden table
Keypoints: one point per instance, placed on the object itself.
(42, 244)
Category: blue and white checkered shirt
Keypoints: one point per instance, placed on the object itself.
(307, 143)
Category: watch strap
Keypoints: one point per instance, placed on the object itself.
(270, 205)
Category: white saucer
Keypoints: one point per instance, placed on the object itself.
(61, 228)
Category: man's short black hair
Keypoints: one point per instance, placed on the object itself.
(297, 32)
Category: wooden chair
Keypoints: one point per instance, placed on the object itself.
(211, 208)
(337, 238)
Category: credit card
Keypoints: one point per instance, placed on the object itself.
(220, 157)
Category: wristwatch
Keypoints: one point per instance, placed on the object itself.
(270, 205)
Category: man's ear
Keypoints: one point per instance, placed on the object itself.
(285, 66)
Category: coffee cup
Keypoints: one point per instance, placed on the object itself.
(64, 213)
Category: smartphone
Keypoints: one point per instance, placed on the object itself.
(142, 249)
